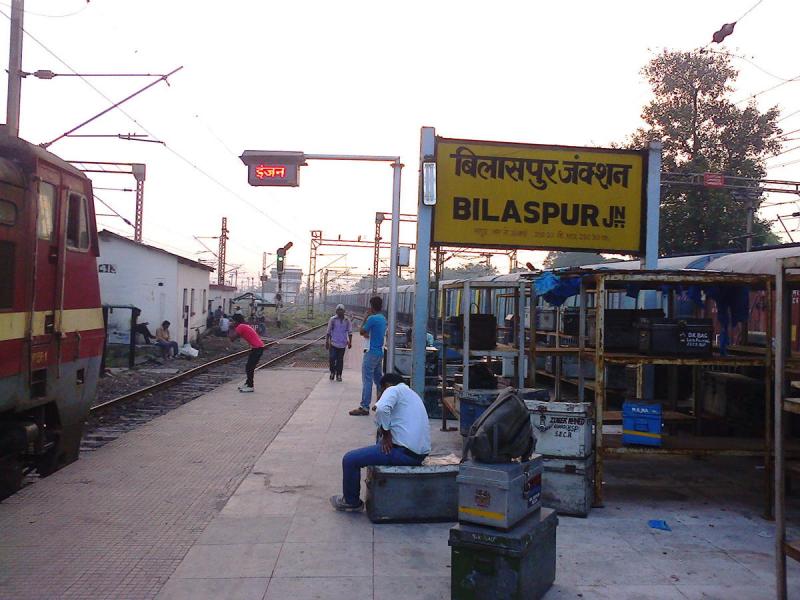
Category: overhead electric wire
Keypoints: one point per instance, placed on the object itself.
(748, 11)
(791, 114)
(109, 207)
(151, 134)
(36, 14)
(747, 60)
(786, 164)
(769, 89)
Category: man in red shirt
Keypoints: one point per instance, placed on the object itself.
(249, 335)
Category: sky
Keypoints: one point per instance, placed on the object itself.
(359, 78)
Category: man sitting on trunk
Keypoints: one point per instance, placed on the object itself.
(404, 438)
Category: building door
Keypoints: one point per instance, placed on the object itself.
(185, 316)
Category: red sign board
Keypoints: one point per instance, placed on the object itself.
(713, 180)
(268, 168)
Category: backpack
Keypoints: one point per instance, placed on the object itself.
(503, 432)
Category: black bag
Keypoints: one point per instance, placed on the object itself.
(503, 432)
(482, 331)
(481, 377)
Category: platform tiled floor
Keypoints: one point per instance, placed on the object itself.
(277, 537)
(117, 523)
(94, 531)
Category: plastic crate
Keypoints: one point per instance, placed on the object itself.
(641, 424)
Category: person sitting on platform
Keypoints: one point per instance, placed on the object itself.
(164, 342)
(224, 325)
(404, 439)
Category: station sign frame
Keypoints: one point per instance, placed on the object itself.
(539, 197)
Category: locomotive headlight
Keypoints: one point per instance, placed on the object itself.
(429, 183)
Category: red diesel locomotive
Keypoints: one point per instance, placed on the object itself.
(51, 322)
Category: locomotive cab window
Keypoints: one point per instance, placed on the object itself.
(77, 223)
(8, 213)
(6, 274)
(45, 223)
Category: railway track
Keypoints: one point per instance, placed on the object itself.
(111, 419)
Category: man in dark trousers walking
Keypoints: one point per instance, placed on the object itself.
(338, 338)
(241, 330)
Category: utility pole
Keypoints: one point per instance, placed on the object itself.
(223, 239)
(748, 244)
(263, 275)
(15, 68)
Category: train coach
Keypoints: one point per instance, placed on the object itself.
(51, 323)
(758, 261)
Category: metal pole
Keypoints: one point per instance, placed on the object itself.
(653, 204)
(15, 68)
(397, 167)
(139, 173)
(650, 299)
(748, 244)
(780, 515)
(422, 264)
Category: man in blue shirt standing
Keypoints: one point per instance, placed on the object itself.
(372, 367)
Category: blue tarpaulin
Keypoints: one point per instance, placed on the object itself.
(555, 290)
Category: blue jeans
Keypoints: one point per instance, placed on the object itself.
(166, 347)
(353, 461)
(371, 372)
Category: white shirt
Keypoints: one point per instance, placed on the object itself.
(401, 411)
(224, 324)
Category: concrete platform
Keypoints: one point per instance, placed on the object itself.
(118, 522)
(191, 506)
(278, 538)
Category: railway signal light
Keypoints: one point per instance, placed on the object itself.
(723, 32)
(281, 257)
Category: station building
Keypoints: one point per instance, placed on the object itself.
(290, 285)
(163, 285)
(221, 295)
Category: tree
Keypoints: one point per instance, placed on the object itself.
(469, 271)
(558, 260)
(703, 130)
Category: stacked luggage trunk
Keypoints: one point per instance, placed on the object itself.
(564, 437)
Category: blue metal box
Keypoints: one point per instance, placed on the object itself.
(641, 424)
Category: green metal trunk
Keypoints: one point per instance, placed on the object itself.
(520, 564)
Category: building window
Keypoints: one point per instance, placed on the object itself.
(204, 301)
(45, 223)
(77, 223)
(191, 304)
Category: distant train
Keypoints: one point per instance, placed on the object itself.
(51, 323)
(759, 261)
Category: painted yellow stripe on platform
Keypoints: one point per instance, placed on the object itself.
(477, 512)
(12, 325)
(642, 433)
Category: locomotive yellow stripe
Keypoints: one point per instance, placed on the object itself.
(12, 325)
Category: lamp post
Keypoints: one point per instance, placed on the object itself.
(275, 168)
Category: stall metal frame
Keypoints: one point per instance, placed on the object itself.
(600, 283)
(521, 290)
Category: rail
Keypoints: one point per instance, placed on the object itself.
(181, 377)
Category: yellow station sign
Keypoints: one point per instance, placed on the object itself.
(502, 195)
